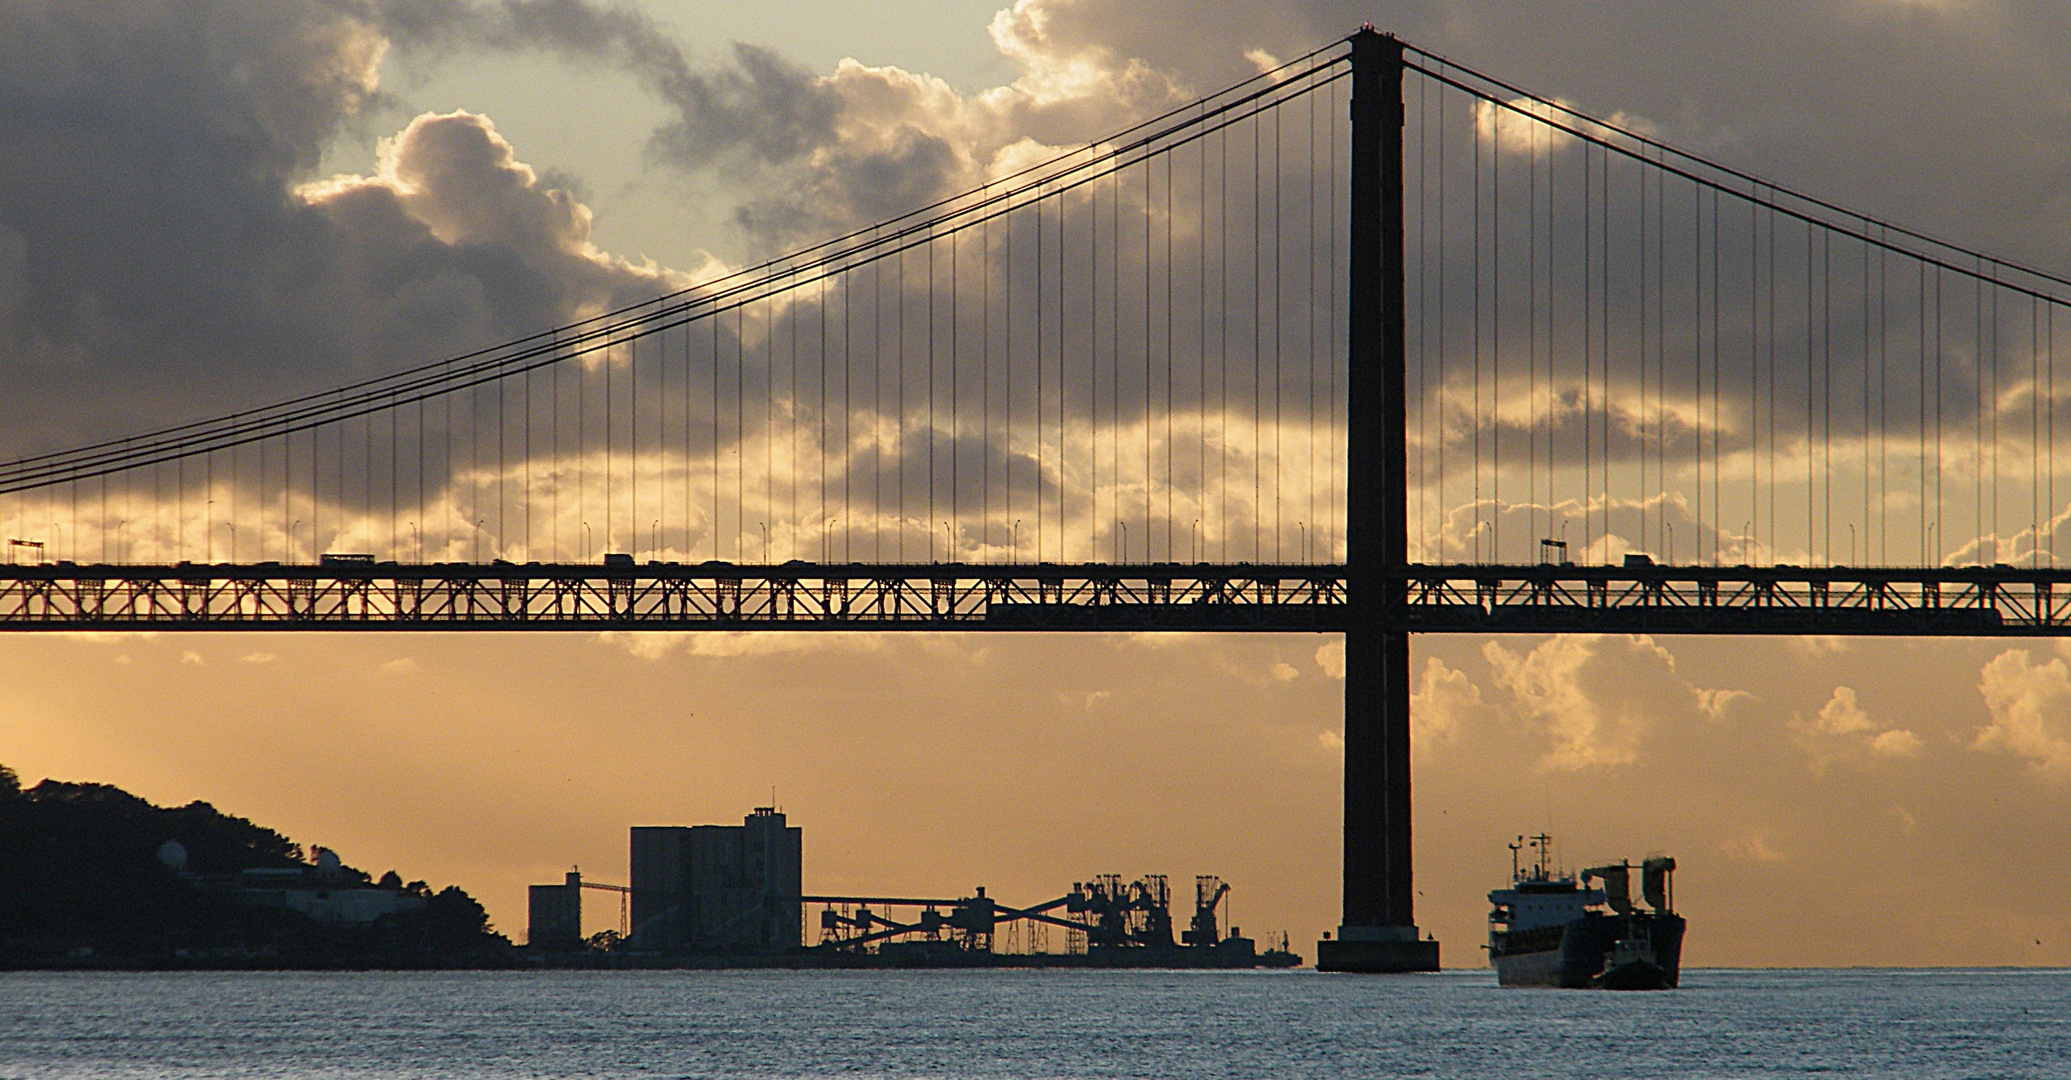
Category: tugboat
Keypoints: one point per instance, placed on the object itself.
(1550, 929)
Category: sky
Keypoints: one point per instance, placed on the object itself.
(211, 208)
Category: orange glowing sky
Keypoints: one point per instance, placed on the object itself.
(1830, 802)
(934, 763)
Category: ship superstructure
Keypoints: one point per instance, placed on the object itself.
(1552, 929)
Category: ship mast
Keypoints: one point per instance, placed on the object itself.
(1544, 844)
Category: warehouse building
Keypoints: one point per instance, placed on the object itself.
(717, 888)
(556, 914)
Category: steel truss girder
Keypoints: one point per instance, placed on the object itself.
(1965, 601)
(1989, 601)
(662, 596)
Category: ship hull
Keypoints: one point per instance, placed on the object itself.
(1578, 955)
(1543, 970)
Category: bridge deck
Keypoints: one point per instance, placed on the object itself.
(1962, 601)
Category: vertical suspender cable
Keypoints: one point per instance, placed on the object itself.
(1171, 481)
(1279, 462)
(1532, 330)
(1475, 419)
(1423, 316)
(1200, 349)
(930, 523)
(1438, 427)
(1495, 335)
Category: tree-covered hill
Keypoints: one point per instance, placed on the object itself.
(92, 876)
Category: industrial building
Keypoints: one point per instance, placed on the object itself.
(555, 914)
(717, 888)
(733, 895)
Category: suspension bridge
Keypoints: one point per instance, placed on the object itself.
(1371, 344)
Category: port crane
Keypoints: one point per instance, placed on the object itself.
(625, 898)
(1109, 911)
(1209, 893)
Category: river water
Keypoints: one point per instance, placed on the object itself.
(1941, 1023)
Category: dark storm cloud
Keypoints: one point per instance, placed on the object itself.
(165, 251)
(760, 105)
(161, 257)
(1955, 117)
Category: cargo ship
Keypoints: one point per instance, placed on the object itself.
(1552, 929)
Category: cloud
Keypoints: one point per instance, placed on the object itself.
(258, 658)
(809, 153)
(199, 276)
(1841, 715)
(1596, 699)
(1897, 742)
(191, 657)
(1330, 656)
(1716, 703)
(400, 666)
(1444, 702)
(1843, 730)
(656, 644)
(1749, 847)
(166, 250)
(167, 247)
(2030, 705)
(1820, 645)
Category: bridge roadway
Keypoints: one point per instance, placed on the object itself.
(1993, 601)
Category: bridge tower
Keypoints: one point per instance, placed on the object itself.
(1379, 932)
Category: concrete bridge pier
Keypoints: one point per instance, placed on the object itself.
(1379, 932)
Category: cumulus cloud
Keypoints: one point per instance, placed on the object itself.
(163, 230)
(2030, 705)
(450, 195)
(165, 251)
(1444, 702)
(1595, 698)
(1842, 730)
(187, 252)
(656, 644)
(1841, 715)
(812, 152)
(1897, 742)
